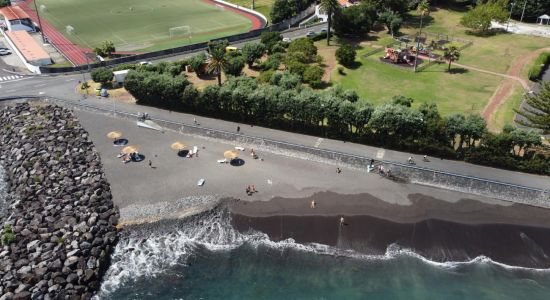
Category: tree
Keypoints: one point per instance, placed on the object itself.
(354, 20)
(397, 120)
(346, 55)
(480, 17)
(423, 8)
(523, 139)
(451, 54)
(234, 64)
(392, 21)
(102, 75)
(216, 63)
(533, 9)
(400, 6)
(281, 10)
(304, 46)
(270, 39)
(5, 3)
(329, 6)
(454, 127)
(252, 52)
(402, 100)
(196, 62)
(537, 110)
(313, 75)
(106, 49)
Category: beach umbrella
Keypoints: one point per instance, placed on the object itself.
(178, 146)
(114, 134)
(231, 154)
(129, 149)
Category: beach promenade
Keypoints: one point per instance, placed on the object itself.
(452, 166)
(168, 188)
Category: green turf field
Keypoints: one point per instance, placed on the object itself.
(138, 25)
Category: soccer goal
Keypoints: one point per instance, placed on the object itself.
(70, 29)
(180, 32)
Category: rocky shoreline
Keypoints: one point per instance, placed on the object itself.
(60, 211)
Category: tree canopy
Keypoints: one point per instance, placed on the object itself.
(479, 18)
(537, 110)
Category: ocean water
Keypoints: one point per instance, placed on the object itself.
(203, 257)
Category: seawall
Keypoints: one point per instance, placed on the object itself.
(60, 223)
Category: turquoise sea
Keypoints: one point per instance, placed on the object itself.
(205, 258)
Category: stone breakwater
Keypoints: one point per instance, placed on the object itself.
(60, 211)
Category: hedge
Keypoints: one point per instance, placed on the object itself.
(540, 63)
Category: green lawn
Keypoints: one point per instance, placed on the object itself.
(377, 82)
(494, 53)
(261, 6)
(464, 91)
(141, 24)
(505, 113)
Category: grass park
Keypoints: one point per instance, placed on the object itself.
(141, 25)
(463, 90)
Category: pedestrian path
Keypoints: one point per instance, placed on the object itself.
(9, 77)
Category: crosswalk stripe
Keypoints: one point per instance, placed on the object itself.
(11, 77)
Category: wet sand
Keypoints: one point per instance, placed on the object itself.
(516, 235)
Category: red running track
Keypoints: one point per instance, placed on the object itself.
(76, 54)
(72, 52)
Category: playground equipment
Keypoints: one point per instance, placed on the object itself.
(400, 56)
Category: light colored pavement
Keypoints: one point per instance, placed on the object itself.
(170, 185)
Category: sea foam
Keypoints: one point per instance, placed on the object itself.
(149, 250)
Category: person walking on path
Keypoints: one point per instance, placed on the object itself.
(238, 129)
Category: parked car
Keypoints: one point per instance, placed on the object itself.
(324, 30)
(287, 40)
(311, 34)
(145, 63)
(5, 52)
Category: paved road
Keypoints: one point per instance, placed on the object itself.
(63, 87)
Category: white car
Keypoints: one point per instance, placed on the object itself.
(5, 52)
(287, 40)
(311, 34)
(145, 63)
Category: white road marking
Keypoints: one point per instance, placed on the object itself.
(319, 141)
(380, 153)
(38, 85)
(41, 93)
(10, 77)
(72, 79)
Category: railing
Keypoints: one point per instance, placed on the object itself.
(415, 174)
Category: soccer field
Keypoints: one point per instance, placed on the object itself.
(141, 25)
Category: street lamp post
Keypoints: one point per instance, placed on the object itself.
(523, 11)
(418, 42)
(39, 22)
(510, 16)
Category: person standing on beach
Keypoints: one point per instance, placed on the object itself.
(312, 204)
(341, 221)
(238, 129)
(150, 164)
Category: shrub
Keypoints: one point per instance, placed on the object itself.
(196, 62)
(265, 76)
(126, 66)
(346, 55)
(313, 75)
(272, 62)
(341, 70)
(8, 236)
(102, 75)
(252, 51)
(535, 72)
(234, 64)
(270, 38)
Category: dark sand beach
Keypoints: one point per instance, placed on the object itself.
(441, 231)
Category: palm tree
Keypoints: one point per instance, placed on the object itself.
(329, 6)
(451, 54)
(424, 8)
(217, 62)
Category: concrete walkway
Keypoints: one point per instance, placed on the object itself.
(458, 167)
